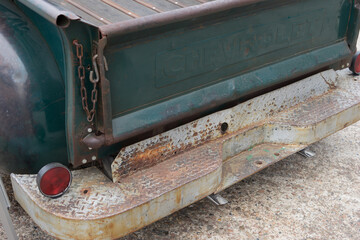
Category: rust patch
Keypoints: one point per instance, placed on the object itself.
(85, 191)
(160, 150)
(178, 197)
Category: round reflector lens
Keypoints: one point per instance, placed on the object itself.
(355, 64)
(54, 180)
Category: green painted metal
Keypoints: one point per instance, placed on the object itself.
(200, 64)
(32, 96)
(231, 89)
(164, 75)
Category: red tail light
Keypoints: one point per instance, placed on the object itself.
(355, 64)
(53, 180)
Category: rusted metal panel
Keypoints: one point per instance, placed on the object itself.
(195, 58)
(298, 114)
(241, 118)
(160, 175)
(182, 82)
(254, 160)
(104, 210)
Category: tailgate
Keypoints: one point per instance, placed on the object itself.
(170, 66)
(167, 68)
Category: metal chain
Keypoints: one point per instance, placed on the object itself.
(90, 114)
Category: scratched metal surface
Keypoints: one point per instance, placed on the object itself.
(240, 118)
(100, 12)
(85, 202)
(105, 210)
(297, 198)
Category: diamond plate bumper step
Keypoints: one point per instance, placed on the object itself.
(162, 174)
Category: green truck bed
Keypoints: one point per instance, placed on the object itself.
(172, 100)
(169, 63)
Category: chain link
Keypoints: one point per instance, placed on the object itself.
(90, 114)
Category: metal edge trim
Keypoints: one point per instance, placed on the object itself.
(119, 222)
(50, 12)
(178, 15)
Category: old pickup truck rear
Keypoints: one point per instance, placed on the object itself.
(190, 162)
(188, 97)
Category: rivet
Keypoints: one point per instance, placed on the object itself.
(93, 158)
(84, 161)
(89, 130)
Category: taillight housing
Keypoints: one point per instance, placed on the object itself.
(53, 180)
(355, 64)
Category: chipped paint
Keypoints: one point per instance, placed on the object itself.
(160, 175)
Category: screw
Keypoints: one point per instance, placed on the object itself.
(84, 161)
(89, 130)
(93, 158)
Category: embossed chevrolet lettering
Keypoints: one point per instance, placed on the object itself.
(218, 52)
(132, 110)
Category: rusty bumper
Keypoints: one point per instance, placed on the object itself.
(155, 177)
